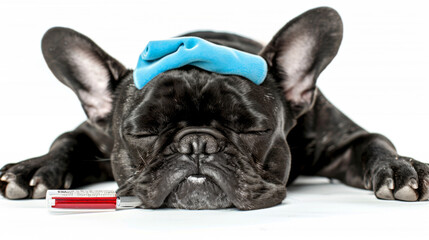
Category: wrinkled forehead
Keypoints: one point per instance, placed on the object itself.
(199, 98)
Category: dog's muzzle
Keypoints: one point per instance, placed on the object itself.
(198, 191)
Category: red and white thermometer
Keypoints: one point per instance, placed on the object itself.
(89, 199)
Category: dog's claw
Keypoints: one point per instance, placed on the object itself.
(8, 177)
(367, 183)
(413, 183)
(68, 181)
(426, 182)
(390, 183)
(33, 182)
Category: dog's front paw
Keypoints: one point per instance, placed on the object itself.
(399, 178)
(33, 177)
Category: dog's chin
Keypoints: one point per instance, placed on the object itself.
(197, 192)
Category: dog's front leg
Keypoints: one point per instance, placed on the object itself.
(75, 158)
(327, 143)
(371, 162)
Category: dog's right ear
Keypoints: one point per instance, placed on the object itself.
(84, 67)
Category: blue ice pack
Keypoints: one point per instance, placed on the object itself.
(164, 55)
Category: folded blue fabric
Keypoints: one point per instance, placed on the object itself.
(161, 56)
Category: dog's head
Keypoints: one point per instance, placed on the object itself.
(195, 139)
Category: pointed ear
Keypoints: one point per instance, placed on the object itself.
(300, 51)
(84, 67)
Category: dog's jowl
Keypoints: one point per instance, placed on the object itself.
(197, 139)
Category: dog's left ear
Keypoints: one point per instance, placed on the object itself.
(300, 51)
(85, 68)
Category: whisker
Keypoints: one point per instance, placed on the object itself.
(141, 157)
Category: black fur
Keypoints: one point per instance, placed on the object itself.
(200, 140)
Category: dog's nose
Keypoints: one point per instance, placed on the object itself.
(198, 141)
(198, 144)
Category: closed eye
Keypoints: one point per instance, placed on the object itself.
(256, 131)
(142, 134)
(251, 131)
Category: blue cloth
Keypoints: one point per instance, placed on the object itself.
(161, 56)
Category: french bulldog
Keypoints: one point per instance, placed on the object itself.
(195, 139)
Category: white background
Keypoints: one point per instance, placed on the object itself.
(379, 79)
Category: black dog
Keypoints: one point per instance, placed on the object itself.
(200, 140)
